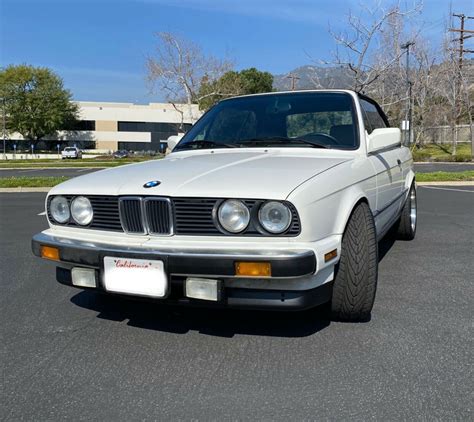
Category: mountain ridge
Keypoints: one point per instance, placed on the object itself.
(313, 77)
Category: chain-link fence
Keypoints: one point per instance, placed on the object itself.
(443, 134)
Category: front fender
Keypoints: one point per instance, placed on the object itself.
(410, 177)
(326, 203)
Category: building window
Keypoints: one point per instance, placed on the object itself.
(81, 125)
(151, 127)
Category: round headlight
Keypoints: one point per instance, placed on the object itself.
(81, 210)
(234, 216)
(59, 209)
(275, 217)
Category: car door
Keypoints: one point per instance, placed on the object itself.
(388, 169)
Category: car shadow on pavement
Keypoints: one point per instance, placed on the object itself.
(214, 322)
(385, 245)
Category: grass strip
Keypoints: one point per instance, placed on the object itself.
(445, 176)
(442, 153)
(31, 182)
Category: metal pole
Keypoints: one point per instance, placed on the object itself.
(408, 110)
(4, 130)
(407, 132)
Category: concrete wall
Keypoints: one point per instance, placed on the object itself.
(128, 112)
(103, 127)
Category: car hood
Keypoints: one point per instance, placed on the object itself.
(271, 173)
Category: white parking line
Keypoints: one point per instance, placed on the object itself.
(454, 190)
(42, 213)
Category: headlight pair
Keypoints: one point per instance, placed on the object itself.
(234, 216)
(80, 210)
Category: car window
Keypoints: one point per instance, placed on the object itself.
(301, 125)
(303, 119)
(372, 117)
(233, 124)
(368, 126)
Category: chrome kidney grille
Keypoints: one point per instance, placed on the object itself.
(146, 215)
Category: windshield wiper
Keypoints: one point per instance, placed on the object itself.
(206, 144)
(281, 140)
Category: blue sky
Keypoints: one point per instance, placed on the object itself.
(99, 46)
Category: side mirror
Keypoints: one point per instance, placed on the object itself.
(384, 138)
(172, 142)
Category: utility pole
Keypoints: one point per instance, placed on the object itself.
(293, 78)
(461, 50)
(408, 112)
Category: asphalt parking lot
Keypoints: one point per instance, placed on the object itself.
(68, 354)
(449, 167)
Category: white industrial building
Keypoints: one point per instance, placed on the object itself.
(107, 126)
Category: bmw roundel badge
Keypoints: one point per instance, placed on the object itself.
(151, 184)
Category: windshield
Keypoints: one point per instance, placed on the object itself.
(303, 119)
(69, 149)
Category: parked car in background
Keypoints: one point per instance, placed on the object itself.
(121, 153)
(71, 152)
(270, 201)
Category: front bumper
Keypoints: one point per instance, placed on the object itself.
(182, 263)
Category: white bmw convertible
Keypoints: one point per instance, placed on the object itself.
(271, 201)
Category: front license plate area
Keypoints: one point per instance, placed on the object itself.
(142, 277)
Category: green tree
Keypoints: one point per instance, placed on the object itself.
(232, 83)
(36, 103)
(254, 81)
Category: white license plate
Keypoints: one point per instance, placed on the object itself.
(143, 277)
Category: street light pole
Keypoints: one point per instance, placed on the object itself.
(408, 113)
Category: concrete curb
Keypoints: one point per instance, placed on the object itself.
(459, 183)
(55, 168)
(20, 190)
(445, 162)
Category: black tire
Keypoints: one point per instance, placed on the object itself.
(355, 282)
(406, 229)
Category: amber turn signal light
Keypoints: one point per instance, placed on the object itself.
(330, 255)
(48, 252)
(253, 269)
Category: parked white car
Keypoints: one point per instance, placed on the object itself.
(272, 201)
(71, 152)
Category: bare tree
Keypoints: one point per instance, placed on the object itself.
(357, 48)
(178, 68)
(450, 92)
(426, 111)
(388, 86)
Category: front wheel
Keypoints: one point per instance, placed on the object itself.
(406, 229)
(355, 282)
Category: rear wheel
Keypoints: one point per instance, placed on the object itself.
(406, 229)
(355, 282)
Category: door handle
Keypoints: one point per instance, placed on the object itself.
(399, 162)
